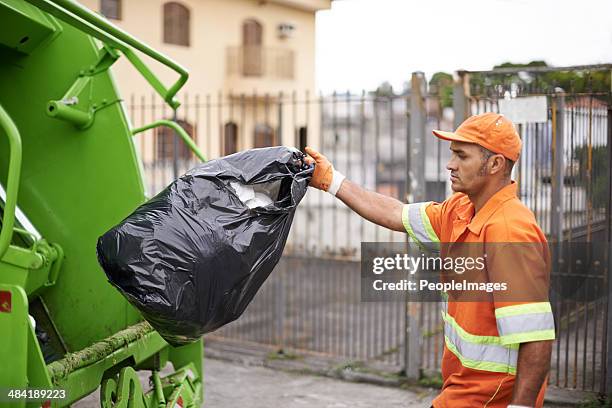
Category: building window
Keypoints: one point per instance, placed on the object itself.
(264, 136)
(230, 138)
(176, 24)
(303, 137)
(252, 34)
(165, 142)
(111, 9)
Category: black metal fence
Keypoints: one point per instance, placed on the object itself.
(564, 178)
(364, 135)
(311, 303)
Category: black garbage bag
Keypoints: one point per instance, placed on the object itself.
(192, 258)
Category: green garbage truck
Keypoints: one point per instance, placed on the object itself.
(69, 171)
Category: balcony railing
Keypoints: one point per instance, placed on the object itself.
(256, 61)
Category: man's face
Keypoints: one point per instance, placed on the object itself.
(465, 167)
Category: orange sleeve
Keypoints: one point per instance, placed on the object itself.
(522, 312)
(434, 213)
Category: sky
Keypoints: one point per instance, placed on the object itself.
(361, 43)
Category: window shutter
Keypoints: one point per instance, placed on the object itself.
(176, 24)
(111, 9)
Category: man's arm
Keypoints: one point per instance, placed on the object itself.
(531, 371)
(377, 208)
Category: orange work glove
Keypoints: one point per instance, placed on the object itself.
(323, 174)
(323, 171)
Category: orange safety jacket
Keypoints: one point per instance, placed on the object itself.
(482, 338)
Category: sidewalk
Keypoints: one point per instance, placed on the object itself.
(249, 360)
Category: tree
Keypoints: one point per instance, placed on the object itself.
(384, 89)
(598, 179)
(441, 84)
(538, 82)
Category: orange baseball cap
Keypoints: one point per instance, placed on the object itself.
(489, 130)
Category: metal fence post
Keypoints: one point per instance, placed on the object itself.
(418, 118)
(281, 303)
(279, 130)
(606, 385)
(461, 94)
(175, 147)
(416, 192)
(556, 214)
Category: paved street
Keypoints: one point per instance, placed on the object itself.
(231, 385)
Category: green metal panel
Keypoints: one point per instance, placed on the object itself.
(24, 26)
(79, 175)
(75, 184)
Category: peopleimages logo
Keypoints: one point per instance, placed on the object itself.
(412, 264)
(424, 284)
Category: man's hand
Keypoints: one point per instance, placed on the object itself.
(323, 171)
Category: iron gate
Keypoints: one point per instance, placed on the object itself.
(311, 303)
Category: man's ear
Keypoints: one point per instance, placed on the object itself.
(497, 164)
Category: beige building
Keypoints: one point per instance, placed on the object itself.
(251, 62)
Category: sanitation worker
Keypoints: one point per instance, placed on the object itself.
(496, 354)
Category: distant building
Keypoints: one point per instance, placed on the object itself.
(247, 51)
(366, 137)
